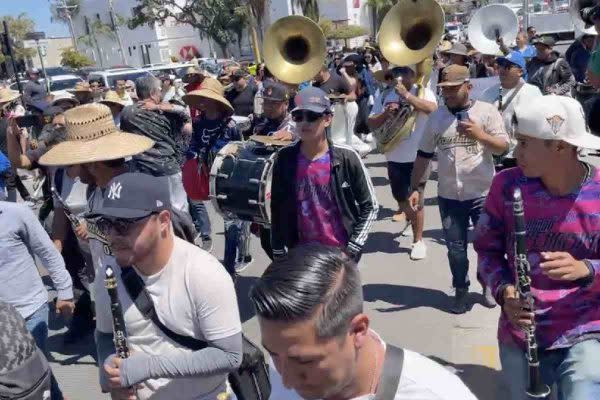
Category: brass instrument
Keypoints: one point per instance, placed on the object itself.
(409, 34)
(294, 49)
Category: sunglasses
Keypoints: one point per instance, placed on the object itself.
(122, 226)
(308, 116)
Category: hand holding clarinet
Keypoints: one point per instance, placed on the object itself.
(112, 368)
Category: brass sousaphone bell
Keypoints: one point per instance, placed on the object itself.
(294, 49)
(411, 31)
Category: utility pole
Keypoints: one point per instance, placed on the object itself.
(36, 36)
(9, 52)
(62, 7)
(113, 22)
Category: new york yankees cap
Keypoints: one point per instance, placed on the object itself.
(135, 195)
(554, 117)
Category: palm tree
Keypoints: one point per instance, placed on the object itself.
(90, 39)
(378, 10)
(310, 8)
(63, 11)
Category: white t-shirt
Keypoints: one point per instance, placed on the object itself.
(421, 379)
(194, 296)
(525, 95)
(465, 166)
(406, 150)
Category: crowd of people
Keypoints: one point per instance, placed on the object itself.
(126, 179)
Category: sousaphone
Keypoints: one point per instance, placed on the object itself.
(294, 49)
(490, 23)
(581, 12)
(409, 34)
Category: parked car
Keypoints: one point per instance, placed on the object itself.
(109, 77)
(59, 84)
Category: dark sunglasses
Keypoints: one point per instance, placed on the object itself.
(305, 115)
(121, 226)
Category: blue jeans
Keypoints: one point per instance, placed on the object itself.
(574, 370)
(455, 216)
(37, 325)
(200, 217)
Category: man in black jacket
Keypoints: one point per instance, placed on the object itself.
(321, 192)
(548, 71)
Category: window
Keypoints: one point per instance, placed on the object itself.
(64, 84)
(165, 54)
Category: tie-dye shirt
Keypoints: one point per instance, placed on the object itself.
(565, 312)
(319, 219)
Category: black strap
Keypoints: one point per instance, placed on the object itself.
(137, 291)
(502, 107)
(390, 373)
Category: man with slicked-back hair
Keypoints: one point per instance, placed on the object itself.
(310, 310)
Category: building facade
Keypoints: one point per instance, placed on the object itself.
(50, 50)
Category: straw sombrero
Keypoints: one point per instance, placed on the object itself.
(210, 89)
(92, 136)
(7, 95)
(113, 98)
(64, 97)
(189, 72)
(80, 87)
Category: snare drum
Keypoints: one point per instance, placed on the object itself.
(240, 181)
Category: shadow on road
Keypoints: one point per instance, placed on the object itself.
(384, 242)
(405, 297)
(243, 284)
(380, 181)
(485, 383)
(382, 164)
(74, 352)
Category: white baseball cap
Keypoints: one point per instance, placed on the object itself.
(554, 117)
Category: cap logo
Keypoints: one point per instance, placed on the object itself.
(114, 191)
(555, 122)
(159, 203)
(314, 99)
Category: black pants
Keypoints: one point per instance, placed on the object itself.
(265, 241)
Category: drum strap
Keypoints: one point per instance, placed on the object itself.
(501, 106)
(389, 379)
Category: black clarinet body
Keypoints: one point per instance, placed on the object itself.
(119, 331)
(536, 389)
(71, 217)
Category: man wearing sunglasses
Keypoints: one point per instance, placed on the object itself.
(321, 192)
(509, 95)
(191, 292)
(275, 121)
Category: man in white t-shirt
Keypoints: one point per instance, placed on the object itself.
(465, 134)
(510, 94)
(402, 92)
(192, 295)
(312, 323)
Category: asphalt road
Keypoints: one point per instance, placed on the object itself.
(407, 302)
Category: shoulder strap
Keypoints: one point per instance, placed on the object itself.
(142, 300)
(511, 97)
(390, 374)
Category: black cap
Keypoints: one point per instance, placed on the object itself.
(274, 91)
(545, 40)
(135, 195)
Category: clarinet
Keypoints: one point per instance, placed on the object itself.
(536, 389)
(120, 334)
(72, 217)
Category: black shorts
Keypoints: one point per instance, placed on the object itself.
(399, 174)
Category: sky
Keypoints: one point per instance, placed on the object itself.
(38, 11)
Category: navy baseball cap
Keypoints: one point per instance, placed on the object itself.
(275, 91)
(515, 58)
(312, 99)
(135, 195)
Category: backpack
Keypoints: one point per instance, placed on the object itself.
(24, 370)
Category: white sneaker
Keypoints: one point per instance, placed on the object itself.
(369, 138)
(419, 250)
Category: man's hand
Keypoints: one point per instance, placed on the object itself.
(401, 89)
(413, 200)
(561, 266)
(123, 394)
(33, 144)
(282, 134)
(113, 373)
(65, 308)
(81, 231)
(515, 309)
(470, 129)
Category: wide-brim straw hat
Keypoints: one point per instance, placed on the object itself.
(80, 87)
(64, 98)
(7, 95)
(189, 72)
(210, 89)
(92, 136)
(111, 97)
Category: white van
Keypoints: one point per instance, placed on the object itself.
(109, 77)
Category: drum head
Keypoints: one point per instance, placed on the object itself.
(269, 141)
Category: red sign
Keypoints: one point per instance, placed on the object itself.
(356, 3)
(188, 52)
